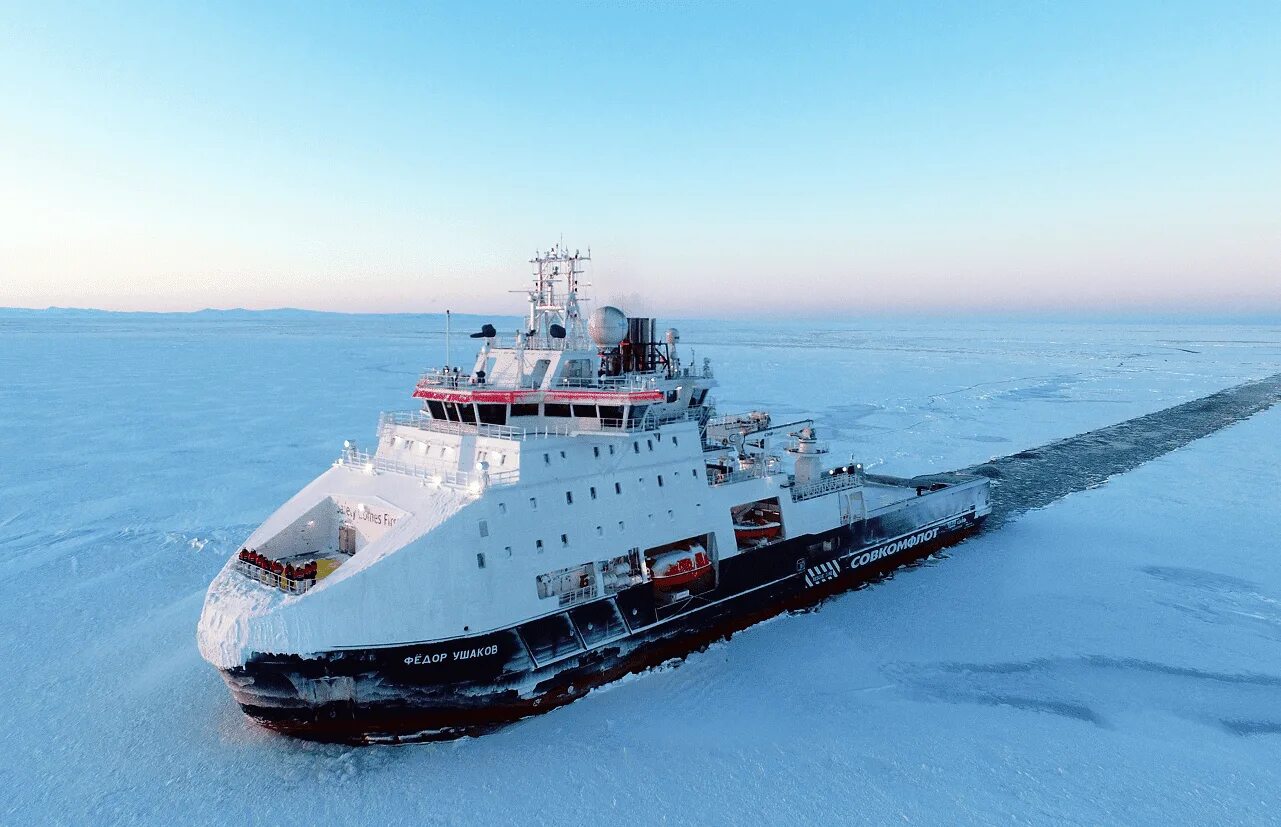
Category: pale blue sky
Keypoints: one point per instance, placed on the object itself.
(723, 158)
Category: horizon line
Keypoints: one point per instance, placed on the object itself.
(1272, 314)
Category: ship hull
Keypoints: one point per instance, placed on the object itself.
(468, 686)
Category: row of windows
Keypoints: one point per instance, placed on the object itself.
(569, 495)
(564, 538)
(443, 451)
(596, 452)
(493, 413)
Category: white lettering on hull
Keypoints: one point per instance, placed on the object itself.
(367, 515)
(871, 556)
(457, 654)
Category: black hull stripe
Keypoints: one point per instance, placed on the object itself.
(426, 711)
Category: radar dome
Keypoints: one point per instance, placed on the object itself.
(607, 326)
(672, 336)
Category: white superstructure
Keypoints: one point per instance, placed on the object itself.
(570, 463)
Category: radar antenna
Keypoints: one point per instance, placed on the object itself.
(549, 306)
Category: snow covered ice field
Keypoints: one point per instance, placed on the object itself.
(1112, 658)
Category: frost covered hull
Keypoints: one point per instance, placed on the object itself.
(470, 685)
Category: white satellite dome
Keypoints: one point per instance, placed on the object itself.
(607, 326)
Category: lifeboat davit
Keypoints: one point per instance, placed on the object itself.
(678, 568)
(757, 531)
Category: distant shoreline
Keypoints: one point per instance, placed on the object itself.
(1267, 317)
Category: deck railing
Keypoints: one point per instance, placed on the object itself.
(768, 468)
(449, 478)
(420, 420)
(826, 484)
(277, 581)
(439, 378)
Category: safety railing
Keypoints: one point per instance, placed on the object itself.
(420, 420)
(292, 585)
(826, 484)
(770, 467)
(450, 478)
(458, 378)
(439, 378)
(570, 342)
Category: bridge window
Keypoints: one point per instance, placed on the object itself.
(555, 409)
(491, 414)
(436, 408)
(587, 411)
(525, 409)
(467, 413)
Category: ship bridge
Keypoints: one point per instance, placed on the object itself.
(564, 373)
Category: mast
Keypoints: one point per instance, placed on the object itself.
(545, 306)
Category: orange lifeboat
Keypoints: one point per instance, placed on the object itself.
(757, 531)
(680, 567)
